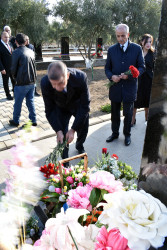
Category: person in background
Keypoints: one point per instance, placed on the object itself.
(11, 38)
(5, 63)
(120, 56)
(24, 70)
(30, 46)
(65, 93)
(145, 80)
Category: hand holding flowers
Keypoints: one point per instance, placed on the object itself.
(133, 71)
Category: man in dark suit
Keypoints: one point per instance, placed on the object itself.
(11, 38)
(65, 93)
(120, 56)
(5, 63)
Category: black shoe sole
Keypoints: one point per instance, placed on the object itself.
(112, 139)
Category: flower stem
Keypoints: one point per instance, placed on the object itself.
(72, 238)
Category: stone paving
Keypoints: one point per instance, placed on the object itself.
(8, 134)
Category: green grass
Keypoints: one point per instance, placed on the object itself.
(107, 108)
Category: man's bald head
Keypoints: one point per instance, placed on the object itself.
(57, 70)
(58, 75)
(5, 37)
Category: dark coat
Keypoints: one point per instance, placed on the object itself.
(23, 66)
(118, 62)
(76, 101)
(145, 82)
(5, 58)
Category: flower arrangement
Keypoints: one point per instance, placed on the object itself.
(73, 177)
(133, 71)
(119, 169)
(100, 212)
(129, 220)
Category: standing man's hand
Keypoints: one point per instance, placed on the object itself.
(123, 76)
(3, 72)
(115, 78)
(60, 136)
(70, 135)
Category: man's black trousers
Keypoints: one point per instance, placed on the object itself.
(5, 78)
(115, 117)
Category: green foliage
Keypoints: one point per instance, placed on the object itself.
(57, 152)
(76, 16)
(27, 16)
(84, 21)
(120, 170)
(95, 197)
(106, 108)
(141, 16)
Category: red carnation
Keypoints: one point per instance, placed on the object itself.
(114, 156)
(134, 71)
(48, 170)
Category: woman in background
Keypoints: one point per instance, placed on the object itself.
(145, 80)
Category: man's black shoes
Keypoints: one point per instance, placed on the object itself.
(13, 123)
(111, 138)
(127, 140)
(9, 97)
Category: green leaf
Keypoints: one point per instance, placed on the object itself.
(52, 199)
(103, 191)
(95, 196)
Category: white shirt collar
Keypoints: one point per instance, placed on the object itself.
(5, 44)
(125, 45)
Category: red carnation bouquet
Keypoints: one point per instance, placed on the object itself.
(133, 71)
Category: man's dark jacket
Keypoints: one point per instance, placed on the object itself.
(23, 66)
(118, 62)
(5, 58)
(75, 102)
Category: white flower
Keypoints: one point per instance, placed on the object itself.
(91, 232)
(80, 176)
(62, 198)
(58, 228)
(51, 189)
(140, 217)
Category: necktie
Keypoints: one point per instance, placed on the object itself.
(8, 47)
(122, 48)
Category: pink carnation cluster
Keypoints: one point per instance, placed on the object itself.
(105, 180)
(111, 240)
(79, 197)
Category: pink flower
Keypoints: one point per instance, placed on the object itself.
(80, 184)
(105, 180)
(37, 243)
(58, 190)
(70, 180)
(79, 197)
(111, 240)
